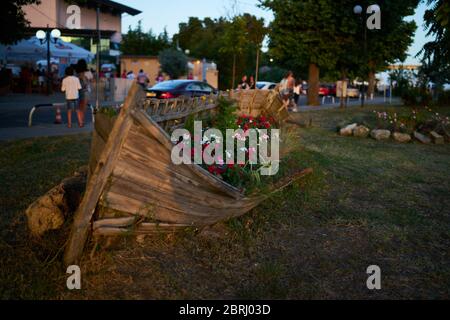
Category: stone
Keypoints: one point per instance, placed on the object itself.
(437, 138)
(50, 211)
(348, 130)
(379, 134)
(402, 137)
(422, 138)
(47, 212)
(361, 132)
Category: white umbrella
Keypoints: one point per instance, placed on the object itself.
(22, 51)
(62, 49)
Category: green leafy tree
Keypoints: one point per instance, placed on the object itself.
(173, 63)
(436, 53)
(234, 41)
(391, 43)
(138, 42)
(13, 17)
(256, 32)
(311, 34)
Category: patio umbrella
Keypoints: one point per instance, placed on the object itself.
(65, 50)
(22, 51)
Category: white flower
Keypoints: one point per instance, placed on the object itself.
(228, 154)
(243, 149)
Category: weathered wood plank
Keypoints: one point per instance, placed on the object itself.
(99, 178)
(116, 223)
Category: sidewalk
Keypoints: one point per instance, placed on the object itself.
(9, 134)
(352, 103)
(15, 109)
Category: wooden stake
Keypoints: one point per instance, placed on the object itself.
(99, 178)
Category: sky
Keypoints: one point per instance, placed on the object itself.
(157, 15)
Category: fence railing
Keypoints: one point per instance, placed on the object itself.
(53, 105)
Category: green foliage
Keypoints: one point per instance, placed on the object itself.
(422, 119)
(173, 63)
(230, 43)
(14, 18)
(226, 118)
(444, 98)
(416, 96)
(109, 111)
(138, 42)
(327, 33)
(273, 74)
(436, 53)
(391, 43)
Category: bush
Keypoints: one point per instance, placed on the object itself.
(414, 96)
(173, 63)
(444, 99)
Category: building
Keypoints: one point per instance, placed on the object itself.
(78, 23)
(198, 70)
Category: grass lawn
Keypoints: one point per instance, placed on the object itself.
(367, 203)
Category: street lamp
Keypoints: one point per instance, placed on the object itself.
(48, 36)
(358, 10)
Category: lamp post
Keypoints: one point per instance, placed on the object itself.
(48, 36)
(358, 10)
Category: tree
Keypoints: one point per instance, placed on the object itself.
(391, 43)
(14, 18)
(138, 42)
(173, 63)
(436, 53)
(328, 35)
(256, 31)
(234, 41)
(310, 34)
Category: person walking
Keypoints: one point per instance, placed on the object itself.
(287, 89)
(131, 75)
(252, 84)
(159, 78)
(142, 79)
(297, 91)
(85, 77)
(243, 85)
(71, 86)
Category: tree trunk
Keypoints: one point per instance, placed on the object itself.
(313, 85)
(233, 81)
(371, 88)
(257, 67)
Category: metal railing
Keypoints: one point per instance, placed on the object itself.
(54, 105)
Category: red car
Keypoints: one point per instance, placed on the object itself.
(327, 90)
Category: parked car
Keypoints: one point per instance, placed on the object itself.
(176, 88)
(352, 92)
(327, 90)
(264, 85)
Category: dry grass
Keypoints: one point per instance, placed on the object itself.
(366, 203)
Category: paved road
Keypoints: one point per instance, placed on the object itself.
(351, 103)
(14, 111)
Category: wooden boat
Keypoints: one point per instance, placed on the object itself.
(133, 186)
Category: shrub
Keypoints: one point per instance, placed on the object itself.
(173, 62)
(444, 98)
(414, 96)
